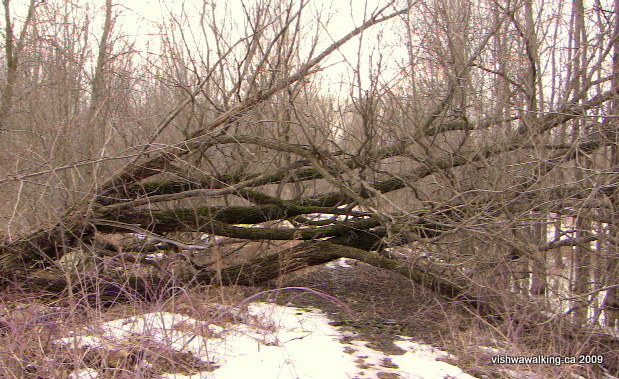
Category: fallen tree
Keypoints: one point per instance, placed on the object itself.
(478, 194)
(49, 243)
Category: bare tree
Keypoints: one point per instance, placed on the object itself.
(472, 163)
(14, 45)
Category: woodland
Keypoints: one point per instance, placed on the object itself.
(471, 147)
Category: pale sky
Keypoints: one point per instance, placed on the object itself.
(141, 18)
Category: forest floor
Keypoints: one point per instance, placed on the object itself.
(345, 319)
(383, 306)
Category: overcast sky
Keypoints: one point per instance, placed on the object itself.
(141, 20)
(143, 17)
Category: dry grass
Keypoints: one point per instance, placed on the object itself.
(31, 325)
(385, 305)
(380, 305)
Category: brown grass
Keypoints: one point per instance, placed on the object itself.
(376, 304)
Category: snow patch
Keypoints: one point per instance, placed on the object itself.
(88, 373)
(338, 263)
(274, 342)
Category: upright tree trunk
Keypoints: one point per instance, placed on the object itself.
(95, 124)
(537, 260)
(581, 259)
(12, 50)
(610, 305)
(539, 273)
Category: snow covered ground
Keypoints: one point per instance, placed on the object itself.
(272, 341)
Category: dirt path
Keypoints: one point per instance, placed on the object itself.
(382, 305)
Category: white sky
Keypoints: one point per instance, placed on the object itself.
(140, 19)
(143, 17)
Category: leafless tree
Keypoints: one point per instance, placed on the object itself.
(477, 157)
